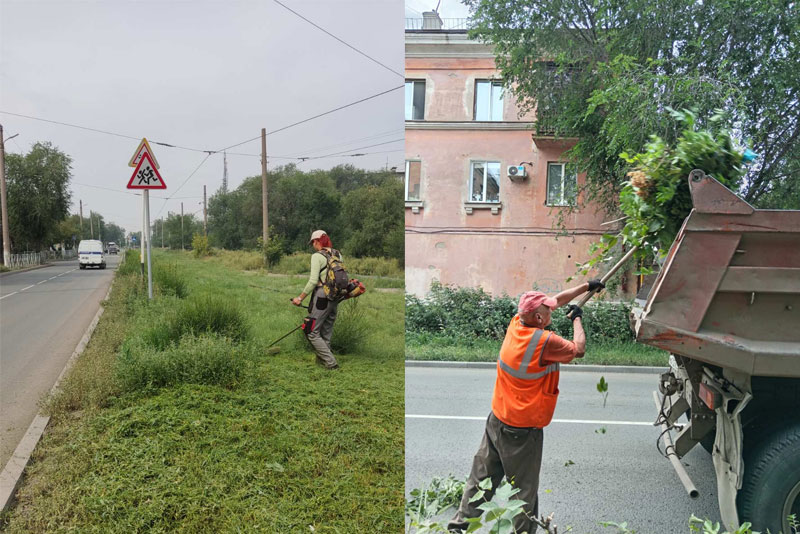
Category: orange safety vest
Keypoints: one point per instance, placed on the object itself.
(525, 392)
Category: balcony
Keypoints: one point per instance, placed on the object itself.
(418, 24)
(547, 133)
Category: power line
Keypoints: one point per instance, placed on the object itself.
(184, 183)
(343, 143)
(315, 117)
(342, 152)
(340, 40)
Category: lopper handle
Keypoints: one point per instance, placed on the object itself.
(608, 275)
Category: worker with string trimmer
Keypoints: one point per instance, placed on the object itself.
(524, 399)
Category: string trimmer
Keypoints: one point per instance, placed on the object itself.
(307, 325)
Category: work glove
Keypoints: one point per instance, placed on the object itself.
(574, 312)
(596, 285)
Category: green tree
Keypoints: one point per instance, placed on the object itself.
(605, 72)
(114, 233)
(38, 195)
(171, 228)
(374, 216)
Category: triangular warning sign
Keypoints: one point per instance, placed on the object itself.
(146, 175)
(144, 146)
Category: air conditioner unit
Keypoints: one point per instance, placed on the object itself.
(516, 173)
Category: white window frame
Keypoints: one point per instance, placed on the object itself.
(563, 201)
(408, 162)
(492, 85)
(409, 99)
(485, 164)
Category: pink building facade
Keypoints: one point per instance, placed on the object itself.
(482, 193)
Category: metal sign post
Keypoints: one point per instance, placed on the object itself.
(146, 177)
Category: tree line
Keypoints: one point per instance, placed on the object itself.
(361, 210)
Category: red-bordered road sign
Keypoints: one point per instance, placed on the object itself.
(146, 175)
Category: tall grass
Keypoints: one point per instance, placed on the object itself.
(168, 280)
(202, 315)
(205, 359)
(351, 328)
(241, 260)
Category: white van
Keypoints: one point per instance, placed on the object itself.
(90, 254)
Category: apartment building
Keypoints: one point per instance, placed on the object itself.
(483, 191)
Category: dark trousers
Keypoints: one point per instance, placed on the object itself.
(510, 451)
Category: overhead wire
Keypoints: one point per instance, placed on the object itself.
(340, 40)
(314, 117)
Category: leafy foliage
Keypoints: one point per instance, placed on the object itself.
(361, 211)
(613, 68)
(469, 313)
(656, 199)
(38, 196)
(200, 246)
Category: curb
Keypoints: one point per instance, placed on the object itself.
(564, 368)
(12, 473)
(26, 269)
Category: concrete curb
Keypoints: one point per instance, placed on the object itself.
(26, 269)
(11, 476)
(564, 368)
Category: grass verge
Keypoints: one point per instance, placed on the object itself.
(425, 346)
(208, 433)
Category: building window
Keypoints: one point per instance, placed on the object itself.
(488, 100)
(484, 181)
(562, 185)
(413, 180)
(415, 100)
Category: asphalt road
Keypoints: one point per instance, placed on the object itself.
(616, 476)
(43, 315)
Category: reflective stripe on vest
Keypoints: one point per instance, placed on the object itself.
(522, 373)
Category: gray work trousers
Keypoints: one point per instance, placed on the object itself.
(323, 311)
(510, 451)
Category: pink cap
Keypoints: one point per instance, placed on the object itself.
(530, 301)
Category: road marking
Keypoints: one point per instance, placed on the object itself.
(53, 277)
(574, 421)
(4, 296)
(30, 286)
(42, 282)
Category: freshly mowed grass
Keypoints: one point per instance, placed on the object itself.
(423, 346)
(268, 443)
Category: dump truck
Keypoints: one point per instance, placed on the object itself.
(726, 305)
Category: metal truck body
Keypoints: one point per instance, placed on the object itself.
(726, 305)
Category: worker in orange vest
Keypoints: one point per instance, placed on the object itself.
(523, 403)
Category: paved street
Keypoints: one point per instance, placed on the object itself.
(43, 315)
(617, 476)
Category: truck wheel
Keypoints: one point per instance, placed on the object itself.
(82, 266)
(771, 488)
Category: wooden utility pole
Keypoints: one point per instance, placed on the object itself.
(4, 202)
(91, 223)
(264, 213)
(81, 217)
(205, 213)
(182, 226)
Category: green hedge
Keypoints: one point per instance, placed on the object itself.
(472, 313)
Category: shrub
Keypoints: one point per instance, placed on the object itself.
(167, 280)
(472, 313)
(352, 327)
(206, 315)
(200, 246)
(274, 249)
(130, 263)
(206, 359)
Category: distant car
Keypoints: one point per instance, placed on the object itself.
(113, 248)
(90, 254)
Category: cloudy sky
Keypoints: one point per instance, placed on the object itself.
(203, 75)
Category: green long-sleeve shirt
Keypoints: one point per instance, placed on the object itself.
(318, 272)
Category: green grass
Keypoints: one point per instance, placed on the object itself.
(425, 346)
(211, 434)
